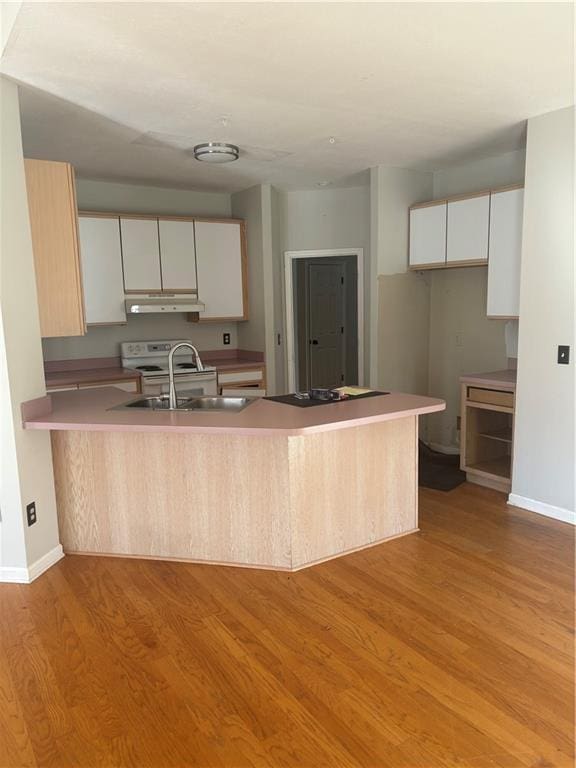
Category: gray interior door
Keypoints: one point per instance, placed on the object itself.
(326, 306)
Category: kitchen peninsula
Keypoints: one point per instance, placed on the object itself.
(271, 486)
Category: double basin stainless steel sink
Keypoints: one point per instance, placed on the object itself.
(199, 404)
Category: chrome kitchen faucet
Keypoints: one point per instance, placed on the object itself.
(172, 395)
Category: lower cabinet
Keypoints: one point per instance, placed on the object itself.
(132, 385)
(243, 378)
(487, 424)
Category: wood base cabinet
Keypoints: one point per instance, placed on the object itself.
(275, 501)
(487, 423)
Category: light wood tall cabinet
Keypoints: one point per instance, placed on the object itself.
(102, 269)
(221, 269)
(53, 222)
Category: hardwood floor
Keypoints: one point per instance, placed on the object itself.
(448, 648)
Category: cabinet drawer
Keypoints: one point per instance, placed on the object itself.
(127, 386)
(237, 377)
(491, 396)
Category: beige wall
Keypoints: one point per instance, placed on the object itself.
(26, 457)
(392, 192)
(544, 460)
(462, 340)
(403, 317)
(102, 341)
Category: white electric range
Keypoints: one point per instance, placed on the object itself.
(151, 359)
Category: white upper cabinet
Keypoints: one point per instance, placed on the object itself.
(505, 250)
(141, 254)
(467, 230)
(220, 263)
(177, 255)
(428, 236)
(101, 258)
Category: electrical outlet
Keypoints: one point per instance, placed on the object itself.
(226, 338)
(563, 354)
(31, 513)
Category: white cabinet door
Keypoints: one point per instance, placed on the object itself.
(140, 254)
(505, 250)
(177, 255)
(467, 235)
(428, 236)
(220, 268)
(101, 257)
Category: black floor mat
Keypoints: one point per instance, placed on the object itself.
(439, 471)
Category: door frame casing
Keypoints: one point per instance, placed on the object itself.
(329, 253)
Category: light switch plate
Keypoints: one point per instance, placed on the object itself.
(563, 354)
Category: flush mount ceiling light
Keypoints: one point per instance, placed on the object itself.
(216, 152)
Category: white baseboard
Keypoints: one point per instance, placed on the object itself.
(548, 510)
(10, 575)
(451, 450)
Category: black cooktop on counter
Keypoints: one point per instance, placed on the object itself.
(309, 403)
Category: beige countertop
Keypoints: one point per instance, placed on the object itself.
(233, 360)
(89, 410)
(89, 376)
(505, 380)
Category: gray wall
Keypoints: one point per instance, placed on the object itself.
(25, 455)
(544, 461)
(329, 218)
(94, 195)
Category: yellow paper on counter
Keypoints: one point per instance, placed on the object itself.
(352, 391)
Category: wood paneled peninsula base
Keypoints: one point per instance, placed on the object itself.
(269, 487)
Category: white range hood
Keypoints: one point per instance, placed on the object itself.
(146, 304)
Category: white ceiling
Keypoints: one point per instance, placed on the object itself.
(124, 90)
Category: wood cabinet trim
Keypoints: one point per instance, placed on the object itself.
(159, 217)
(449, 265)
(76, 245)
(466, 196)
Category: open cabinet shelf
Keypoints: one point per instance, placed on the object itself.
(500, 466)
(487, 437)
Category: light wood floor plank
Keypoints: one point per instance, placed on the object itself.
(450, 648)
